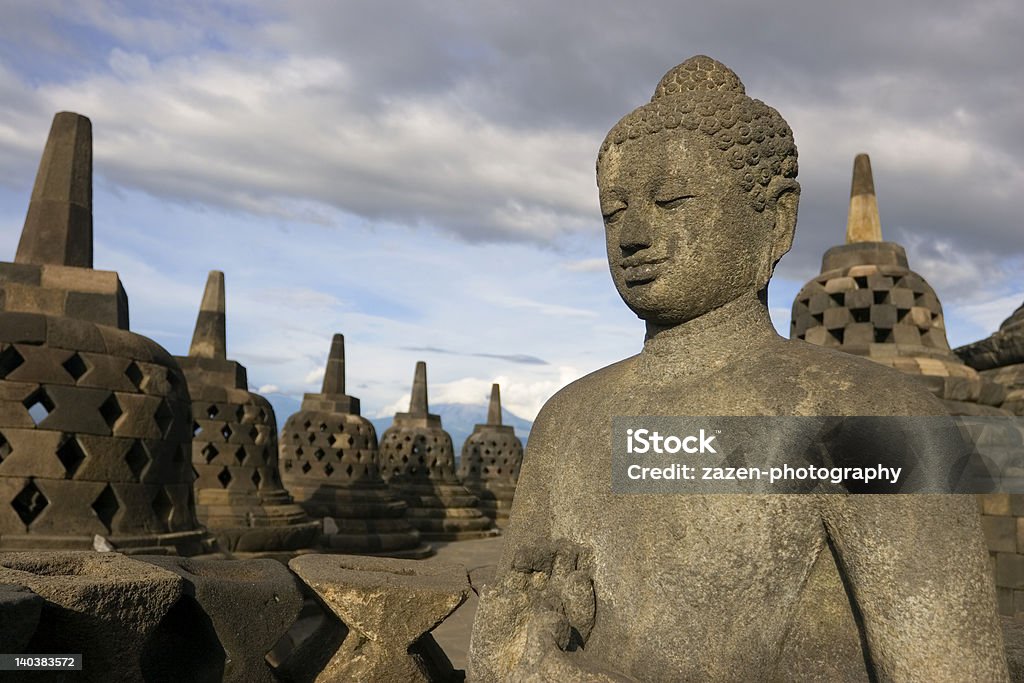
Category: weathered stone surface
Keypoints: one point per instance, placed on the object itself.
(113, 610)
(330, 463)
(418, 463)
(230, 593)
(389, 607)
(490, 462)
(19, 616)
(239, 494)
(699, 198)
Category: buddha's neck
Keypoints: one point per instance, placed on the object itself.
(711, 341)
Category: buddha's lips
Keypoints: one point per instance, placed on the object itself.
(638, 271)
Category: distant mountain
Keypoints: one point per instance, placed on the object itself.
(458, 418)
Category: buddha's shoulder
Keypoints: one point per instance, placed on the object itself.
(840, 383)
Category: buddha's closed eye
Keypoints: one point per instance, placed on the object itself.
(673, 202)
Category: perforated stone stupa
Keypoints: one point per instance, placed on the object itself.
(331, 465)
(490, 462)
(94, 420)
(418, 462)
(239, 495)
(867, 301)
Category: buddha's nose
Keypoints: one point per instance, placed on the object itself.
(635, 235)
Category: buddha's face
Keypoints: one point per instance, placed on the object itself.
(682, 236)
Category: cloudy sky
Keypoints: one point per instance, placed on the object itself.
(419, 175)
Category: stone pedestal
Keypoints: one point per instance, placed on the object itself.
(389, 607)
(330, 464)
(418, 462)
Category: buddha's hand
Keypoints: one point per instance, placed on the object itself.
(535, 622)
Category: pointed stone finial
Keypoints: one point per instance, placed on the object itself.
(210, 338)
(58, 225)
(494, 409)
(334, 375)
(862, 223)
(418, 402)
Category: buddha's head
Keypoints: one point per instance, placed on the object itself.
(698, 194)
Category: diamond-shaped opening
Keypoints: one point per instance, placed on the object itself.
(5, 448)
(307, 424)
(209, 452)
(311, 438)
(224, 477)
(319, 454)
(328, 469)
(163, 417)
(306, 467)
(39, 406)
(253, 432)
(211, 411)
(134, 374)
(262, 415)
(323, 426)
(137, 458)
(75, 366)
(241, 455)
(226, 432)
(256, 478)
(71, 456)
(29, 503)
(10, 359)
(331, 440)
(239, 413)
(196, 429)
(106, 506)
(349, 470)
(111, 410)
(298, 451)
(163, 507)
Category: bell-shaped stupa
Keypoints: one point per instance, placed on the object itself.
(95, 423)
(418, 462)
(331, 465)
(867, 301)
(490, 462)
(239, 495)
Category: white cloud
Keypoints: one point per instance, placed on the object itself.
(268, 389)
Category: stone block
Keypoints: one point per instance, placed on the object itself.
(1010, 570)
(102, 605)
(883, 316)
(29, 328)
(102, 309)
(20, 273)
(29, 299)
(995, 504)
(20, 609)
(902, 298)
(836, 318)
(1000, 533)
(840, 284)
(860, 334)
(906, 334)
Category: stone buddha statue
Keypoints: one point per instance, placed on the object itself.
(699, 198)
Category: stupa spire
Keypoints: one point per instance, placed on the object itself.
(418, 403)
(210, 337)
(58, 225)
(334, 375)
(863, 223)
(494, 409)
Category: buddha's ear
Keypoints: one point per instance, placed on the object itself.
(783, 200)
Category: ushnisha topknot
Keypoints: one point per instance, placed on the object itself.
(705, 95)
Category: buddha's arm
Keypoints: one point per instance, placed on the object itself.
(918, 575)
